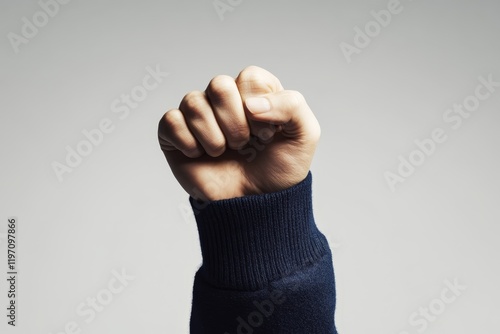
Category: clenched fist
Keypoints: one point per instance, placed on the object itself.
(239, 137)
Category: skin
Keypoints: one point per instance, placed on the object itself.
(207, 140)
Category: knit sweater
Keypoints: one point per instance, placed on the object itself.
(266, 266)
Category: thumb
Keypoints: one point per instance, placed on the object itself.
(287, 109)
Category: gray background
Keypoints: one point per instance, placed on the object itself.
(122, 209)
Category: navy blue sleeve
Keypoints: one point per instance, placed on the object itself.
(266, 266)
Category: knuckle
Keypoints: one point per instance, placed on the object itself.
(296, 99)
(168, 125)
(171, 120)
(192, 102)
(316, 133)
(250, 74)
(220, 86)
(257, 80)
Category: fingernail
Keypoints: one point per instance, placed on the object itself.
(258, 105)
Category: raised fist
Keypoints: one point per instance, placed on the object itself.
(239, 137)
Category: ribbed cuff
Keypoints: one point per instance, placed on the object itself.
(249, 241)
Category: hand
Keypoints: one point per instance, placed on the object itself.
(239, 137)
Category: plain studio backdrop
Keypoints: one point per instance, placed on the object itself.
(405, 180)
